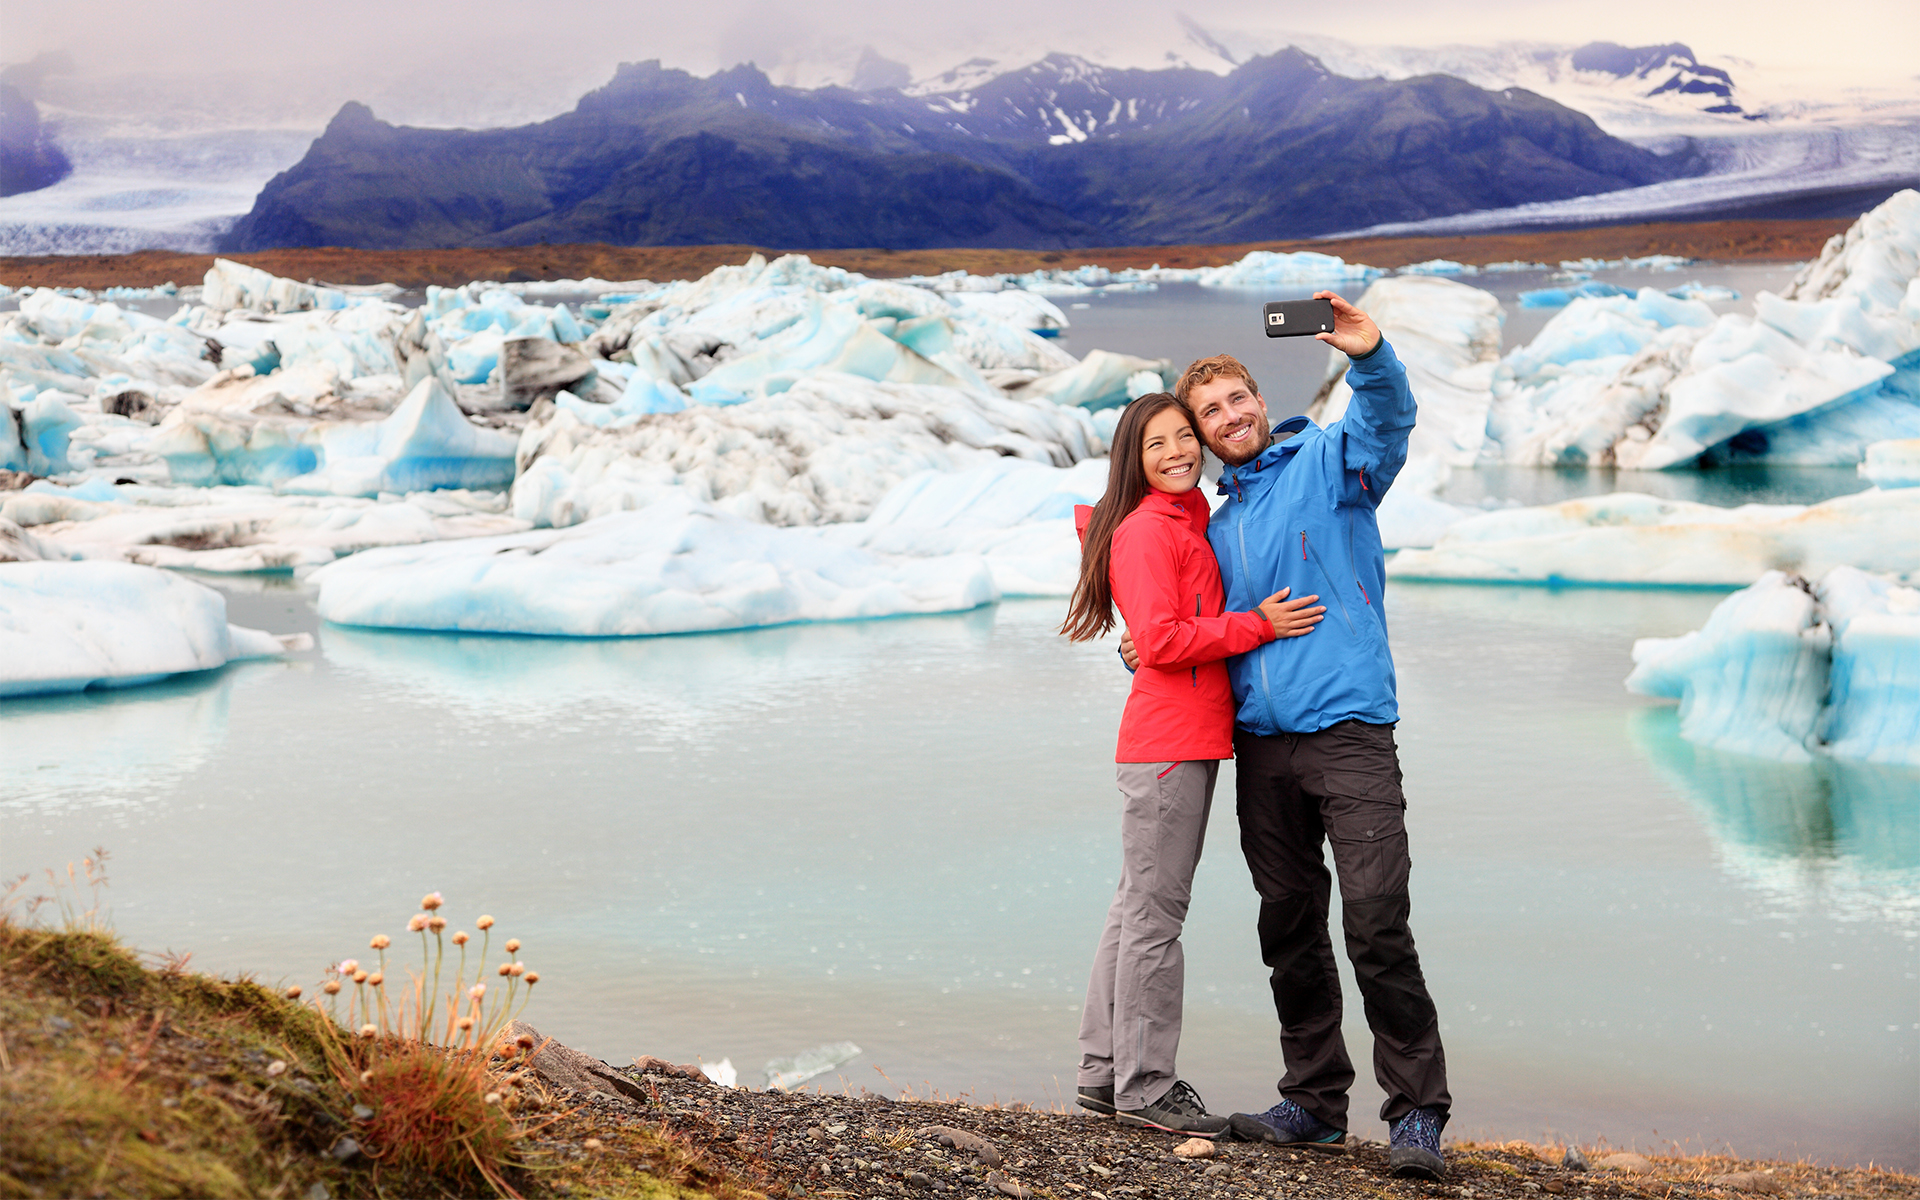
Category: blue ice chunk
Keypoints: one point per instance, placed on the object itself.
(426, 443)
(645, 394)
(45, 424)
(1592, 289)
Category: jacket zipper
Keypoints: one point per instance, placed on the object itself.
(1324, 574)
(1353, 563)
(1266, 692)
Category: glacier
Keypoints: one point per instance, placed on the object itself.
(1787, 670)
(66, 627)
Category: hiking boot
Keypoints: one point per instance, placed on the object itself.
(1096, 1099)
(1287, 1124)
(1414, 1152)
(1179, 1111)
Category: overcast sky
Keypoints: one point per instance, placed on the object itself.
(563, 47)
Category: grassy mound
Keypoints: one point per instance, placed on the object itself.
(120, 1078)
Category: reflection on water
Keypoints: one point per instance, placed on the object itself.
(113, 748)
(1842, 833)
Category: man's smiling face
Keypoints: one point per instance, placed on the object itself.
(1232, 418)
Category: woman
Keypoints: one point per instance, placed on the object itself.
(1144, 547)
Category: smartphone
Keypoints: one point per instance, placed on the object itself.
(1297, 318)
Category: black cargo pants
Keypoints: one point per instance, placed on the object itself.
(1340, 785)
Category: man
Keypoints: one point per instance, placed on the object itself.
(1313, 740)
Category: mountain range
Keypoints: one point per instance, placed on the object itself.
(1059, 153)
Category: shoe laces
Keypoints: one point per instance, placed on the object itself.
(1181, 1098)
(1421, 1128)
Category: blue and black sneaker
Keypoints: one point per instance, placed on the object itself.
(1414, 1152)
(1287, 1124)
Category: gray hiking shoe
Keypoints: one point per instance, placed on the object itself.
(1179, 1111)
(1096, 1099)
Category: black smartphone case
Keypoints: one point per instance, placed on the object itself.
(1297, 318)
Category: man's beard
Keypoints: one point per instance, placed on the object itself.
(1246, 454)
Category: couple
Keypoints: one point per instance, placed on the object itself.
(1302, 695)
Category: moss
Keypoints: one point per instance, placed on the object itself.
(118, 1079)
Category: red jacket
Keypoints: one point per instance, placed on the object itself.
(1166, 584)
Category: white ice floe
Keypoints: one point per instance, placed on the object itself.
(794, 1070)
(1893, 464)
(65, 627)
(1787, 670)
(237, 529)
(681, 566)
(1016, 516)
(1654, 381)
(1627, 538)
(825, 449)
(1265, 268)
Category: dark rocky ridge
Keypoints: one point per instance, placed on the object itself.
(29, 160)
(1063, 153)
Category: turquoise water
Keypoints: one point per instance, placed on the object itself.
(904, 833)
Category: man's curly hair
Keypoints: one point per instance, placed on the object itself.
(1206, 370)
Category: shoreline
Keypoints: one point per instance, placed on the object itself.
(1716, 241)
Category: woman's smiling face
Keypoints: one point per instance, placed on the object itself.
(1170, 451)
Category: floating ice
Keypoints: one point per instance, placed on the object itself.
(681, 566)
(65, 627)
(1263, 268)
(785, 1073)
(1753, 679)
(231, 529)
(1103, 379)
(1657, 381)
(721, 1073)
(824, 450)
(1893, 464)
(1627, 538)
(1785, 670)
(231, 285)
(1017, 516)
(1591, 289)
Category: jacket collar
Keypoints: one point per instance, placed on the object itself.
(1189, 506)
(1234, 481)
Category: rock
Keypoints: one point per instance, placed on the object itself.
(344, 1150)
(533, 369)
(1574, 1160)
(1007, 1187)
(562, 1066)
(1555, 1186)
(1217, 1169)
(982, 1150)
(1748, 1181)
(649, 1065)
(919, 1179)
(319, 1192)
(1632, 1164)
(362, 1113)
(1196, 1148)
(134, 404)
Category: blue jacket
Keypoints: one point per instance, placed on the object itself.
(1301, 515)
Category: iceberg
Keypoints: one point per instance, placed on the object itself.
(1264, 268)
(824, 450)
(1103, 379)
(1658, 381)
(681, 566)
(1893, 464)
(288, 429)
(1014, 515)
(232, 285)
(66, 627)
(1786, 670)
(239, 529)
(1631, 539)
(794, 1070)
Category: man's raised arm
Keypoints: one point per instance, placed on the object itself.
(1380, 416)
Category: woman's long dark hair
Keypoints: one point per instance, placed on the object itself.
(1091, 613)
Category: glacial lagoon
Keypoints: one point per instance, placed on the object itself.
(902, 833)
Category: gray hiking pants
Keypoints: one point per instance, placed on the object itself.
(1130, 1027)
